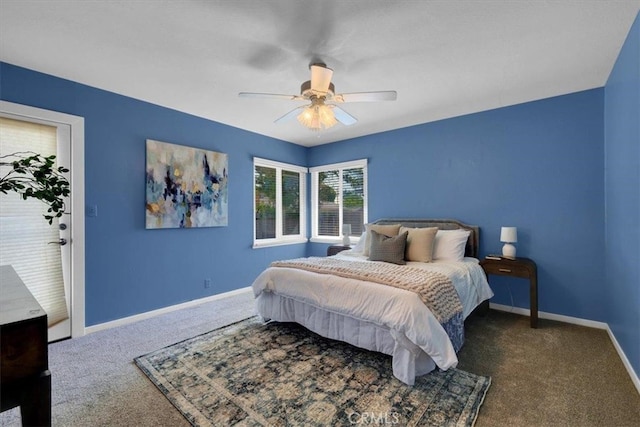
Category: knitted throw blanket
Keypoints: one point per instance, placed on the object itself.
(434, 289)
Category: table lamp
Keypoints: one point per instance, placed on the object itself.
(509, 235)
(346, 232)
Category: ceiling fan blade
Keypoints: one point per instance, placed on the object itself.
(270, 96)
(320, 78)
(342, 116)
(290, 114)
(387, 95)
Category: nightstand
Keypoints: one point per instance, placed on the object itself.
(519, 267)
(334, 249)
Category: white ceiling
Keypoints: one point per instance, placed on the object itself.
(444, 58)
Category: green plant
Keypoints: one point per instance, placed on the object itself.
(33, 175)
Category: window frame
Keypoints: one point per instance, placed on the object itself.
(281, 239)
(315, 172)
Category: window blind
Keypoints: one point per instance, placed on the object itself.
(24, 233)
(290, 203)
(329, 203)
(353, 199)
(265, 203)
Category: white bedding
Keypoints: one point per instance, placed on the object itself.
(371, 315)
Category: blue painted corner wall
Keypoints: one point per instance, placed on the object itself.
(622, 203)
(537, 166)
(131, 270)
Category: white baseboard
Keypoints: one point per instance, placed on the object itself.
(164, 310)
(551, 316)
(581, 322)
(625, 361)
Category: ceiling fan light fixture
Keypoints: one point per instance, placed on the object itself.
(317, 116)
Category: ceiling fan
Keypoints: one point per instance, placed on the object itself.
(322, 112)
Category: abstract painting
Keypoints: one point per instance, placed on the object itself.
(186, 187)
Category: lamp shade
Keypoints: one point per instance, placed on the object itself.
(509, 234)
(317, 116)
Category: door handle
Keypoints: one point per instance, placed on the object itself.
(60, 242)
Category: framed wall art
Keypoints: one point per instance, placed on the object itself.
(186, 187)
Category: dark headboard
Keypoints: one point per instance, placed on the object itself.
(473, 244)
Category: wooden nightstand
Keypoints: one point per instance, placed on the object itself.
(519, 267)
(334, 249)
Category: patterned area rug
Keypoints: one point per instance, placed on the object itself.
(280, 374)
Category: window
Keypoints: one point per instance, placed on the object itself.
(279, 203)
(339, 196)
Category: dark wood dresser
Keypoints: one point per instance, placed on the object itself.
(25, 379)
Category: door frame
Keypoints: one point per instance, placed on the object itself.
(76, 123)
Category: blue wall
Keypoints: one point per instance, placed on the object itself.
(130, 270)
(622, 186)
(537, 166)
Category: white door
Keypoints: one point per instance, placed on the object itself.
(41, 253)
(28, 243)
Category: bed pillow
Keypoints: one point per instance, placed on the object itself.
(419, 243)
(359, 247)
(387, 249)
(387, 230)
(449, 245)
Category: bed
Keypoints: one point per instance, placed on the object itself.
(343, 299)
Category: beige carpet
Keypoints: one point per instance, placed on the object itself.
(557, 375)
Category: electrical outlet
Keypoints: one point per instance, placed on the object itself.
(207, 283)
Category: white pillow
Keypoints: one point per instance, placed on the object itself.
(359, 247)
(450, 244)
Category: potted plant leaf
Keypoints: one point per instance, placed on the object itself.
(35, 176)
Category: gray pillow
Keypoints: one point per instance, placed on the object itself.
(388, 249)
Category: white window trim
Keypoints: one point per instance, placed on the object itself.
(362, 163)
(280, 240)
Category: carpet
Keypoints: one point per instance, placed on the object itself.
(281, 374)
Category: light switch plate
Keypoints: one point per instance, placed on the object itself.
(92, 210)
